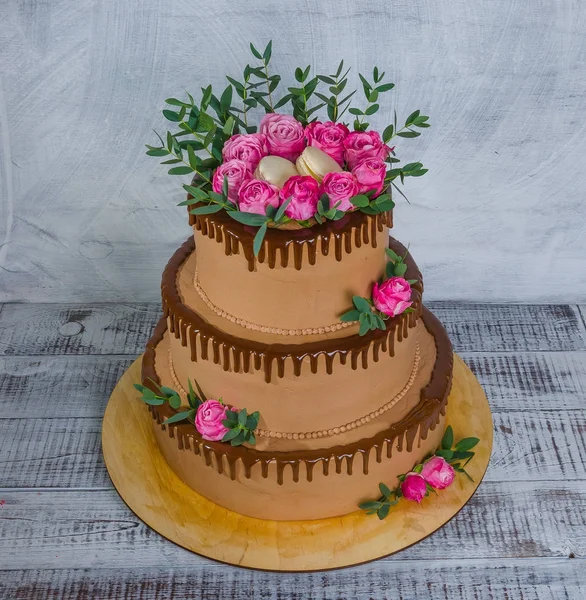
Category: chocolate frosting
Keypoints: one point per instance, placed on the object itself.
(353, 230)
(423, 418)
(236, 353)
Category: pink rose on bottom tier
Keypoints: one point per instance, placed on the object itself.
(393, 296)
(208, 420)
(340, 187)
(304, 193)
(255, 195)
(370, 174)
(414, 487)
(237, 173)
(438, 472)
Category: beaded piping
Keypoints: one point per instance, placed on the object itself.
(324, 432)
(264, 329)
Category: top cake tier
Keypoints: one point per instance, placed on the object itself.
(301, 281)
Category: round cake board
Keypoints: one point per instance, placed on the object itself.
(158, 497)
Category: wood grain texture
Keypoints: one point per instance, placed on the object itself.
(55, 329)
(391, 579)
(92, 529)
(85, 216)
(81, 385)
(66, 453)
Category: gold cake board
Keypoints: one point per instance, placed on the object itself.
(158, 497)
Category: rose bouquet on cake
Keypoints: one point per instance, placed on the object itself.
(294, 170)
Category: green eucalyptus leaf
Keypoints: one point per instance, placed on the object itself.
(259, 238)
(153, 401)
(231, 434)
(360, 200)
(384, 489)
(180, 170)
(448, 439)
(350, 316)
(181, 416)
(239, 439)
(245, 218)
(210, 209)
(467, 443)
(361, 304)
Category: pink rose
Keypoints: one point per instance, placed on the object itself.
(340, 187)
(370, 174)
(284, 135)
(255, 196)
(208, 420)
(328, 137)
(393, 296)
(250, 148)
(237, 173)
(364, 144)
(414, 487)
(304, 193)
(438, 472)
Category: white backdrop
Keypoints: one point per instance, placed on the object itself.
(86, 216)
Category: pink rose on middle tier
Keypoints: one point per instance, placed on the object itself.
(370, 174)
(392, 297)
(254, 196)
(249, 148)
(414, 487)
(340, 187)
(208, 420)
(328, 137)
(304, 193)
(364, 144)
(237, 173)
(438, 472)
(284, 135)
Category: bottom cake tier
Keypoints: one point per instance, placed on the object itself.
(303, 484)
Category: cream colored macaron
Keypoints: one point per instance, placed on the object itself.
(275, 170)
(316, 163)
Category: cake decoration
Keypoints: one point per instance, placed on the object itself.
(213, 420)
(436, 472)
(228, 178)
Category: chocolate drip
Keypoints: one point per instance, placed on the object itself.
(423, 418)
(347, 233)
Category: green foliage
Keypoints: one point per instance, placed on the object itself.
(452, 454)
(240, 427)
(326, 212)
(396, 267)
(335, 103)
(366, 314)
(381, 204)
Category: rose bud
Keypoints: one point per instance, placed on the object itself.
(208, 420)
(316, 163)
(275, 170)
(392, 297)
(364, 144)
(254, 196)
(438, 472)
(414, 487)
(237, 173)
(370, 174)
(340, 187)
(328, 137)
(250, 148)
(284, 135)
(304, 194)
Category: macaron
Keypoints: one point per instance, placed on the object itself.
(275, 170)
(316, 163)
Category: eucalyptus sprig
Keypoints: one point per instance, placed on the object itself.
(240, 427)
(396, 266)
(366, 314)
(373, 206)
(326, 212)
(171, 397)
(265, 99)
(336, 107)
(371, 93)
(299, 96)
(454, 455)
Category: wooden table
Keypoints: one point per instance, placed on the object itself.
(64, 532)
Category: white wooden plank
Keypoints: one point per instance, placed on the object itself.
(51, 329)
(66, 453)
(394, 578)
(58, 386)
(79, 386)
(93, 529)
(511, 327)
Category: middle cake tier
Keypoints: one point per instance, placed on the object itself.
(310, 390)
